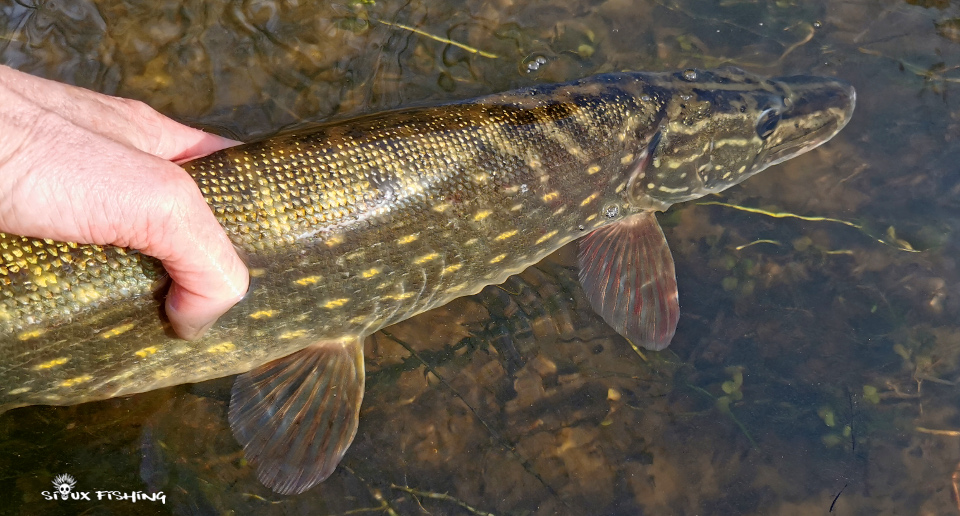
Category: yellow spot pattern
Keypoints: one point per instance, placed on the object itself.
(263, 314)
(52, 363)
(70, 382)
(452, 268)
(426, 258)
(550, 196)
(223, 347)
(145, 352)
(400, 297)
(497, 259)
(593, 169)
(590, 198)
(508, 234)
(308, 280)
(460, 287)
(407, 239)
(293, 334)
(336, 303)
(27, 335)
(113, 332)
(480, 215)
(546, 237)
(369, 273)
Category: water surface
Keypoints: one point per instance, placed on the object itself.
(816, 363)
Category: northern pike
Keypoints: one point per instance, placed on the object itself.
(354, 225)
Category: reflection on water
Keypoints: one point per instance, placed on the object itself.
(531, 404)
(814, 368)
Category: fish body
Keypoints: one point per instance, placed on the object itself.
(354, 225)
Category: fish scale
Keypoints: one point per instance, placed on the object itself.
(354, 225)
(310, 254)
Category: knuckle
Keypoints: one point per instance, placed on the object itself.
(173, 201)
(150, 124)
(136, 108)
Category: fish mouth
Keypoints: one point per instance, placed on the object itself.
(817, 108)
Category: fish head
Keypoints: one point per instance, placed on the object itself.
(717, 128)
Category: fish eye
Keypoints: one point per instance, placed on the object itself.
(767, 123)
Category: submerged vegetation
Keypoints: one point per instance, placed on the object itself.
(816, 363)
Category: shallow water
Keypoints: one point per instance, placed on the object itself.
(816, 363)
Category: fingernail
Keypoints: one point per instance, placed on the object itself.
(181, 325)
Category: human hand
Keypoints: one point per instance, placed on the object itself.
(83, 167)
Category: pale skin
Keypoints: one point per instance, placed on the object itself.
(83, 167)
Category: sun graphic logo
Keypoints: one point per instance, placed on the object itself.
(64, 484)
(63, 489)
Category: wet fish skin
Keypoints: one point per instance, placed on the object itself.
(354, 225)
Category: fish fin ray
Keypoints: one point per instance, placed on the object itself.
(627, 272)
(296, 416)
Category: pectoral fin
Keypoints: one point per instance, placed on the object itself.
(296, 416)
(627, 273)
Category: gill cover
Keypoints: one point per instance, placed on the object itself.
(719, 128)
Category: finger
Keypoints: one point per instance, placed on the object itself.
(192, 146)
(123, 120)
(197, 298)
(71, 185)
(153, 133)
(208, 275)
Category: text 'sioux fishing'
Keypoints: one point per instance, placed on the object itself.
(355, 225)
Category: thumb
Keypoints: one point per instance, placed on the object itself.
(197, 298)
(208, 275)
